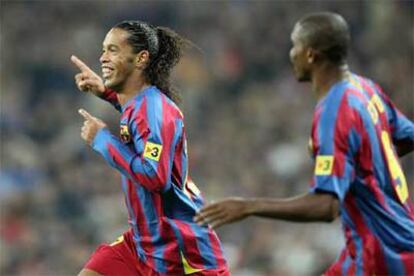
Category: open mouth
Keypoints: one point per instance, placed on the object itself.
(107, 71)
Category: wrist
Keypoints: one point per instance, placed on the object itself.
(102, 92)
(100, 138)
(250, 207)
(107, 90)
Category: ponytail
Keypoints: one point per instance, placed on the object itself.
(170, 46)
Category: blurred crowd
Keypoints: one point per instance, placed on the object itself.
(248, 123)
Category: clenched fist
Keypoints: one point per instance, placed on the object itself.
(87, 80)
(90, 127)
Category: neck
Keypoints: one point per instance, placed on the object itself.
(325, 76)
(131, 89)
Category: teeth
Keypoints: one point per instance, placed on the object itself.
(106, 70)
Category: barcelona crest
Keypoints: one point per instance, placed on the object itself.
(124, 134)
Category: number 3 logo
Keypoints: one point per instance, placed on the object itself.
(155, 152)
(152, 151)
(324, 165)
(395, 168)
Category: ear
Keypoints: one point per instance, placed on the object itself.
(141, 59)
(310, 55)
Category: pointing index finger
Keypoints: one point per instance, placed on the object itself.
(85, 114)
(80, 64)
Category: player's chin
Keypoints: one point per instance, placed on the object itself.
(109, 83)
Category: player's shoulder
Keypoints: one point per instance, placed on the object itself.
(362, 90)
(143, 104)
(365, 84)
(344, 97)
(336, 96)
(355, 91)
(160, 103)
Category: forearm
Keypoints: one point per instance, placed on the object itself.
(126, 161)
(304, 208)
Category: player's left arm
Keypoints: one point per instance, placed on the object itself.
(304, 208)
(332, 179)
(402, 129)
(150, 167)
(402, 134)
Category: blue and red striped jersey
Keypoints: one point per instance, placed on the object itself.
(354, 134)
(151, 155)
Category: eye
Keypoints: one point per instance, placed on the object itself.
(113, 49)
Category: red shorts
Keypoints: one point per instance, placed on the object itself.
(118, 258)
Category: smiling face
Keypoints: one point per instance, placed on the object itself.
(299, 55)
(117, 59)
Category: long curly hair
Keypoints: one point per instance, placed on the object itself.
(165, 48)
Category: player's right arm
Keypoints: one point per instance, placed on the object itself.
(88, 81)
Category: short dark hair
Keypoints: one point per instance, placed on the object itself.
(328, 33)
(165, 50)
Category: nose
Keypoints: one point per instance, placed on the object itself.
(104, 57)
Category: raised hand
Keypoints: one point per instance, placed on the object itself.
(222, 212)
(90, 127)
(87, 80)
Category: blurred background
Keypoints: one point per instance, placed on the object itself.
(248, 123)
